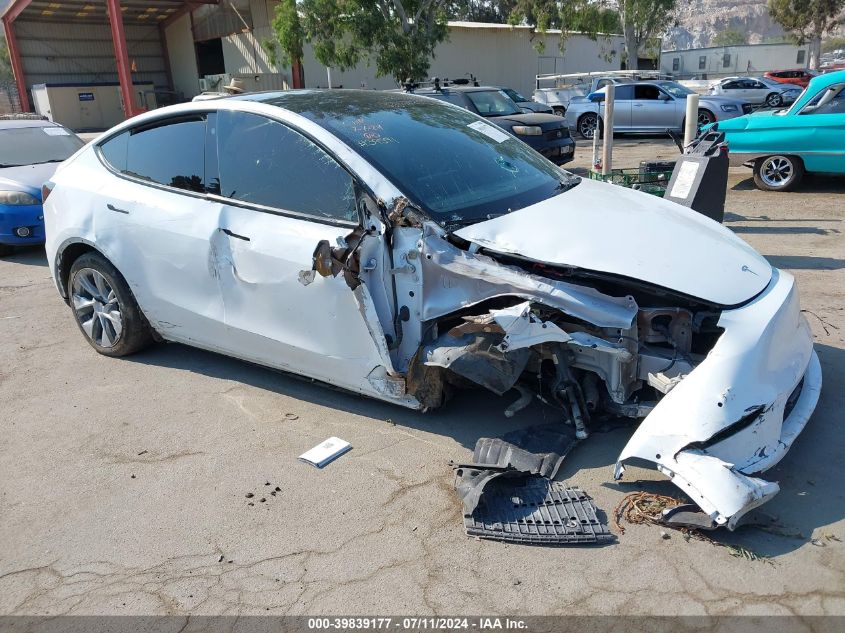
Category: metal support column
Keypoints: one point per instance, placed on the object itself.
(121, 53)
(17, 66)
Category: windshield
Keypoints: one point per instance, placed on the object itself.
(456, 167)
(514, 95)
(33, 145)
(493, 103)
(676, 89)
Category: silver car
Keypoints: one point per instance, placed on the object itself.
(650, 106)
(756, 91)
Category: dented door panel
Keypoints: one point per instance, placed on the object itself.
(271, 317)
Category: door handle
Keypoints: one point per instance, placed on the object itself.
(638, 105)
(235, 235)
(111, 207)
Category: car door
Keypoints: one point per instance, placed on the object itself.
(819, 131)
(155, 225)
(282, 194)
(651, 112)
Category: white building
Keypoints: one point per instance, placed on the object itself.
(725, 61)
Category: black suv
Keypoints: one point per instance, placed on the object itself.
(546, 133)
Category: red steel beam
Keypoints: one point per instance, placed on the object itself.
(15, 10)
(121, 54)
(17, 66)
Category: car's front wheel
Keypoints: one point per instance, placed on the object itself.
(104, 308)
(558, 110)
(778, 173)
(705, 117)
(588, 124)
(774, 100)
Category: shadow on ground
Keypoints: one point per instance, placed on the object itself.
(28, 256)
(810, 476)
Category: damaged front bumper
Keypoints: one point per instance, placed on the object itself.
(738, 412)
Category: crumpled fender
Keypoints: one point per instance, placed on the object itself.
(744, 384)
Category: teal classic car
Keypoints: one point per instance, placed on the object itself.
(781, 146)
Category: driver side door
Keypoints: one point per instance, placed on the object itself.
(282, 194)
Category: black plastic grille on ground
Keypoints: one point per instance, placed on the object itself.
(536, 510)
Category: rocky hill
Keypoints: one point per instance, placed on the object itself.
(698, 22)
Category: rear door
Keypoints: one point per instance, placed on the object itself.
(155, 224)
(282, 194)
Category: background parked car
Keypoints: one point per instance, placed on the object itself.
(30, 149)
(524, 103)
(546, 133)
(783, 146)
(755, 91)
(798, 77)
(651, 106)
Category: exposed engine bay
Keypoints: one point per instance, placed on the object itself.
(721, 389)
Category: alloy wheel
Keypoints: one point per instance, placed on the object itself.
(587, 125)
(776, 171)
(97, 307)
(705, 118)
(774, 100)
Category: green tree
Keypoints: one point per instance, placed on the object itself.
(398, 35)
(729, 37)
(5, 63)
(642, 21)
(808, 21)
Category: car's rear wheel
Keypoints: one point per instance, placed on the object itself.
(559, 111)
(588, 124)
(705, 117)
(104, 308)
(774, 100)
(778, 173)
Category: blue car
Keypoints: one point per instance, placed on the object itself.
(781, 146)
(30, 151)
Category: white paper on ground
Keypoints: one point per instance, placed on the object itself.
(325, 452)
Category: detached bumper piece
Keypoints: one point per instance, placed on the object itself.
(508, 495)
(538, 511)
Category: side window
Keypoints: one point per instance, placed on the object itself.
(113, 151)
(169, 153)
(731, 85)
(623, 93)
(265, 162)
(646, 92)
(450, 97)
(829, 101)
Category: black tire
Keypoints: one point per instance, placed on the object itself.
(587, 122)
(778, 172)
(559, 111)
(705, 117)
(135, 332)
(5, 249)
(774, 100)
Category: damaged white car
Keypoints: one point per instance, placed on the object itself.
(404, 248)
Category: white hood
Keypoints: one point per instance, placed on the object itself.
(612, 229)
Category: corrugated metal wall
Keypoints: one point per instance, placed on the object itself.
(54, 53)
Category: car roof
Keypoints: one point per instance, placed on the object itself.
(827, 79)
(6, 124)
